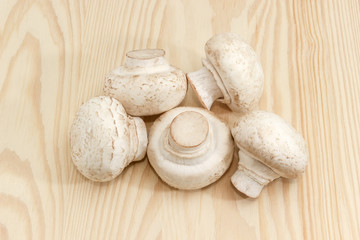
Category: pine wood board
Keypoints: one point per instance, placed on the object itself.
(54, 56)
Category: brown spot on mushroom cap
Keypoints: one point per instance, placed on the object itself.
(239, 68)
(271, 140)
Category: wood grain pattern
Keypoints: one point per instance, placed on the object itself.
(54, 56)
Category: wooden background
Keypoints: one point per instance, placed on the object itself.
(54, 55)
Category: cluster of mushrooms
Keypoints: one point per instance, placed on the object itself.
(188, 147)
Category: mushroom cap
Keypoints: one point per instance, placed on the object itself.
(189, 148)
(104, 140)
(271, 140)
(146, 85)
(241, 76)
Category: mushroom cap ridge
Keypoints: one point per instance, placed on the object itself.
(190, 170)
(271, 140)
(239, 69)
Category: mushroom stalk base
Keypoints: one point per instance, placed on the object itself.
(252, 175)
(142, 137)
(204, 85)
(245, 184)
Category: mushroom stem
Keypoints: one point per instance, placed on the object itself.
(187, 124)
(145, 58)
(204, 85)
(142, 136)
(252, 175)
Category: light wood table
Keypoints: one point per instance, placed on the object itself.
(54, 56)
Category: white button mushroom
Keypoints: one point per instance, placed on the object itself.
(231, 72)
(269, 148)
(104, 139)
(146, 84)
(189, 148)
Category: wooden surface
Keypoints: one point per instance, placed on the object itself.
(54, 55)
